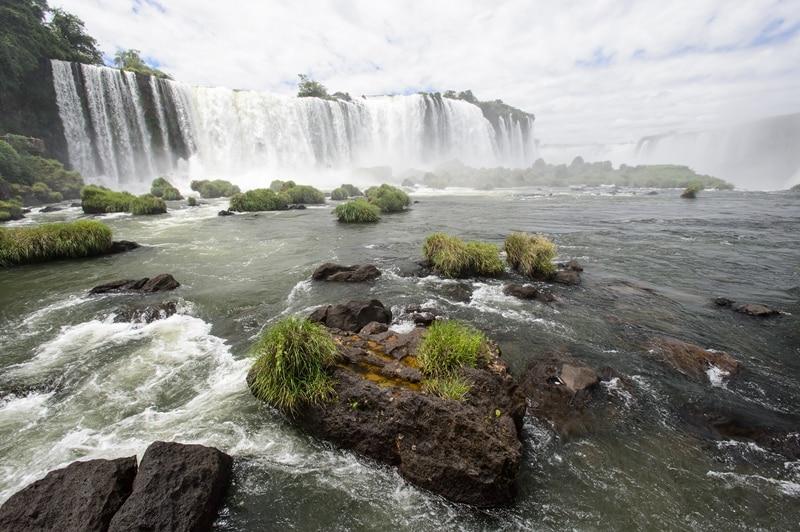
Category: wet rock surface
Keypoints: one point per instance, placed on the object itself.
(339, 273)
(692, 360)
(160, 283)
(751, 309)
(146, 313)
(353, 315)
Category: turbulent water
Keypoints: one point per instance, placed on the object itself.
(76, 385)
(123, 130)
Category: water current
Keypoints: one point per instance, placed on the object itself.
(76, 385)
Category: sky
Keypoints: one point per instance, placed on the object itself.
(601, 71)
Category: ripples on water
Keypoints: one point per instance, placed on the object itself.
(76, 385)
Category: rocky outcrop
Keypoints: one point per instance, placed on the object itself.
(569, 273)
(527, 291)
(160, 283)
(146, 313)
(692, 360)
(573, 397)
(179, 487)
(339, 273)
(122, 246)
(352, 316)
(82, 496)
(751, 309)
(468, 451)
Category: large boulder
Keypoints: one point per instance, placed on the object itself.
(353, 315)
(339, 273)
(179, 487)
(751, 309)
(160, 283)
(82, 496)
(468, 451)
(692, 360)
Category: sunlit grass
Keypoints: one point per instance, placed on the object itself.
(453, 257)
(54, 241)
(530, 254)
(358, 210)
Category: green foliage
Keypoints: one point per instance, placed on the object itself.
(352, 190)
(50, 172)
(388, 198)
(54, 241)
(530, 254)
(453, 257)
(10, 162)
(691, 191)
(99, 200)
(276, 185)
(259, 199)
(339, 194)
(163, 189)
(305, 194)
(132, 61)
(71, 35)
(214, 189)
(10, 210)
(147, 204)
(290, 368)
(308, 88)
(191, 201)
(358, 210)
(449, 346)
(34, 179)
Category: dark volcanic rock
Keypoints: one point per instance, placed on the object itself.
(160, 283)
(146, 313)
(179, 487)
(339, 273)
(751, 309)
(122, 246)
(82, 496)
(468, 451)
(572, 277)
(527, 291)
(225, 213)
(352, 316)
(692, 360)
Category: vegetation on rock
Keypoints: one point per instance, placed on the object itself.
(532, 255)
(305, 194)
(309, 88)
(339, 194)
(147, 204)
(449, 346)
(358, 210)
(217, 188)
(291, 361)
(100, 200)
(259, 199)
(25, 245)
(163, 189)
(345, 191)
(388, 198)
(131, 60)
(452, 257)
(691, 191)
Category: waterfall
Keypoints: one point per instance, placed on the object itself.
(124, 129)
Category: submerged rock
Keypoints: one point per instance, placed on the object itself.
(692, 360)
(146, 313)
(528, 291)
(751, 309)
(160, 283)
(339, 273)
(352, 316)
(82, 496)
(122, 246)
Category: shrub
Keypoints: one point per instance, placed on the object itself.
(339, 194)
(691, 191)
(290, 368)
(53, 241)
(10, 211)
(452, 257)
(357, 211)
(214, 189)
(449, 346)
(10, 165)
(191, 201)
(305, 194)
(51, 173)
(352, 191)
(99, 200)
(259, 199)
(388, 198)
(161, 188)
(43, 194)
(148, 204)
(532, 255)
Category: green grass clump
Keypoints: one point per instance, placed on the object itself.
(10, 210)
(453, 257)
(148, 204)
(530, 254)
(352, 190)
(290, 368)
(259, 199)
(305, 194)
(100, 200)
(163, 189)
(691, 191)
(54, 241)
(339, 194)
(388, 198)
(358, 210)
(218, 188)
(449, 346)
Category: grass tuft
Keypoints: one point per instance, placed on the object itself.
(454, 258)
(358, 210)
(530, 254)
(54, 241)
(290, 368)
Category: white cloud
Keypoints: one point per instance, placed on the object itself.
(591, 71)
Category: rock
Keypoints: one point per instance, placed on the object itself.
(122, 246)
(82, 496)
(179, 487)
(468, 451)
(146, 313)
(751, 309)
(569, 396)
(352, 316)
(421, 315)
(225, 213)
(297, 206)
(692, 360)
(527, 291)
(373, 327)
(339, 273)
(572, 265)
(160, 283)
(51, 208)
(567, 277)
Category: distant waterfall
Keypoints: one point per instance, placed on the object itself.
(124, 129)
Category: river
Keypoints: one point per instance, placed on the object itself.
(75, 385)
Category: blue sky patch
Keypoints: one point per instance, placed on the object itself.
(152, 3)
(598, 60)
(775, 33)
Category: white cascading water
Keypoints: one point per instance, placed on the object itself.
(253, 137)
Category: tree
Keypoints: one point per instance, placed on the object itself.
(131, 60)
(308, 88)
(72, 36)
